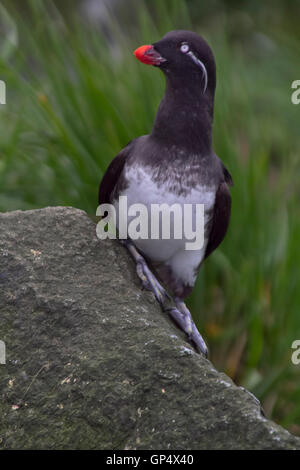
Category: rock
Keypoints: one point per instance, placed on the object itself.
(91, 360)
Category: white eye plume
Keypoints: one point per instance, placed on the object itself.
(184, 48)
(200, 64)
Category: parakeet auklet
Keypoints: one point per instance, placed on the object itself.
(175, 164)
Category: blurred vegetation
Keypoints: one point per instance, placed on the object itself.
(76, 96)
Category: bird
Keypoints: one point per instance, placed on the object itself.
(175, 163)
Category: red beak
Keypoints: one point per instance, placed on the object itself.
(148, 55)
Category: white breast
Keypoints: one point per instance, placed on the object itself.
(143, 190)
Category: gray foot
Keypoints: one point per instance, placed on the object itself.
(180, 314)
(149, 281)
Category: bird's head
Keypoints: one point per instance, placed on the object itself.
(184, 56)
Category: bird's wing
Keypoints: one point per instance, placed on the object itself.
(227, 175)
(221, 214)
(112, 176)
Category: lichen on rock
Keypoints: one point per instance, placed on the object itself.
(91, 360)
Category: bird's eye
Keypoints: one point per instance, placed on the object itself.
(184, 48)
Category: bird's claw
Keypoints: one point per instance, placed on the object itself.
(180, 313)
(193, 334)
(149, 281)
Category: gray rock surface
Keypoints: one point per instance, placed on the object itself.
(93, 363)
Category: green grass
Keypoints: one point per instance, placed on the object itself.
(74, 100)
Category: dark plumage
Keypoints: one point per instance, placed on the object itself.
(176, 163)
